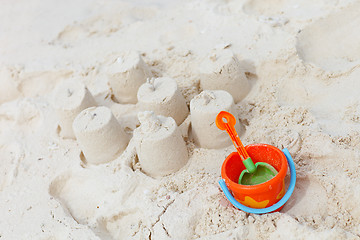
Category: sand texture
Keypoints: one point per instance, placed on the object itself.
(298, 65)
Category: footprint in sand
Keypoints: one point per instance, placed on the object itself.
(91, 197)
(332, 43)
(9, 89)
(39, 83)
(258, 7)
(115, 16)
(83, 194)
(23, 115)
(301, 10)
(16, 82)
(11, 155)
(93, 27)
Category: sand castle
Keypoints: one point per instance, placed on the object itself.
(100, 136)
(126, 75)
(69, 99)
(160, 146)
(162, 96)
(221, 70)
(204, 109)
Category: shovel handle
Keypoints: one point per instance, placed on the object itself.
(226, 121)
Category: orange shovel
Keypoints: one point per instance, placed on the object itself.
(254, 173)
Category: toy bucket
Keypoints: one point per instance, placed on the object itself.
(261, 198)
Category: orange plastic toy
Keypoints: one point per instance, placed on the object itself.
(254, 174)
(261, 195)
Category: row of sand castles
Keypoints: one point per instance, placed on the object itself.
(162, 108)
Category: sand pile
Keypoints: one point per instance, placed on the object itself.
(80, 159)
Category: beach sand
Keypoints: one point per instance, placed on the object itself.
(301, 60)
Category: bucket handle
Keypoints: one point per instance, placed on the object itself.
(274, 207)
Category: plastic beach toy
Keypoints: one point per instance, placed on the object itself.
(262, 198)
(257, 173)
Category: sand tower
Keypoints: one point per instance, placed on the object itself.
(160, 146)
(126, 75)
(162, 96)
(203, 111)
(222, 71)
(99, 134)
(69, 99)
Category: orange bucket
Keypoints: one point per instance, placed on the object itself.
(261, 195)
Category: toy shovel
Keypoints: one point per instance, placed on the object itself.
(254, 173)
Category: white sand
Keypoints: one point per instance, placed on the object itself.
(301, 59)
